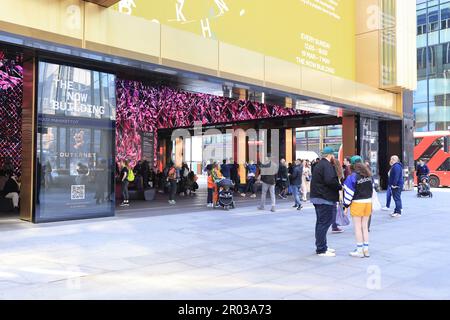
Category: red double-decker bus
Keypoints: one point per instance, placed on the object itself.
(433, 147)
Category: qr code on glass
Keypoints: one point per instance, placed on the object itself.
(78, 192)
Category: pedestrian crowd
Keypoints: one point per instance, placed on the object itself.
(336, 190)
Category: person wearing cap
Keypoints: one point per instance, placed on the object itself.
(358, 191)
(325, 187)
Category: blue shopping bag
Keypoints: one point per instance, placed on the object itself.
(341, 218)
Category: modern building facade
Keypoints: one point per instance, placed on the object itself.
(100, 81)
(432, 98)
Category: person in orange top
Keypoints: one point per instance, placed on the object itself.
(211, 186)
(216, 176)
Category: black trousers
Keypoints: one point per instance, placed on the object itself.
(173, 189)
(210, 195)
(324, 220)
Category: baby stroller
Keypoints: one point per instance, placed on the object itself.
(423, 187)
(226, 198)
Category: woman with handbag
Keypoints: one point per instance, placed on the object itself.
(358, 192)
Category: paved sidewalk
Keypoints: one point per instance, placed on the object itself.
(241, 254)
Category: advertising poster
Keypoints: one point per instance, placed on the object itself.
(75, 143)
(318, 34)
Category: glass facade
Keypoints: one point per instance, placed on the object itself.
(432, 98)
(75, 143)
(316, 138)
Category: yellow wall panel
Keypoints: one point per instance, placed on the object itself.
(316, 83)
(368, 59)
(283, 73)
(63, 17)
(343, 90)
(106, 27)
(185, 47)
(373, 98)
(241, 62)
(367, 16)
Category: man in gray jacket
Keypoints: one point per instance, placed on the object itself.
(269, 172)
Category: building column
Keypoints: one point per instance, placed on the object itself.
(240, 153)
(288, 138)
(29, 167)
(349, 136)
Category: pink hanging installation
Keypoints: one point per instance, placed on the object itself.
(143, 108)
(11, 94)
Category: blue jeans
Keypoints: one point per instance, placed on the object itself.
(250, 185)
(296, 193)
(388, 197)
(324, 215)
(397, 195)
(335, 226)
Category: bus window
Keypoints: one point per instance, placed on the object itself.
(446, 143)
(437, 145)
(445, 166)
(418, 140)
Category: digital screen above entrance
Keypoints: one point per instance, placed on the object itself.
(75, 143)
(311, 33)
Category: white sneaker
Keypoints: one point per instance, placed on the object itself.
(357, 254)
(243, 195)
(385, 209)
(253, 196)
(395, 215)
(327, 254)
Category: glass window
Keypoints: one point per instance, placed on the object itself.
(445, 166)
(334, 131)
(437, 145)
(301, 134)
(417, 141)
(314, 134)
(75, 145)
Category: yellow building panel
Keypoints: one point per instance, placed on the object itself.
(283, 73)
(189, 48)
(368, 16)
(241, 62)
(376, 99)
(64, 17)
(368, 59)
(316, 84)
(343, 90)
(106, 27)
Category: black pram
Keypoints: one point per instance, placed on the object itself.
(423, 187)
(226, 198)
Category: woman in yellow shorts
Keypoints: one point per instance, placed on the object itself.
(358, 190)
